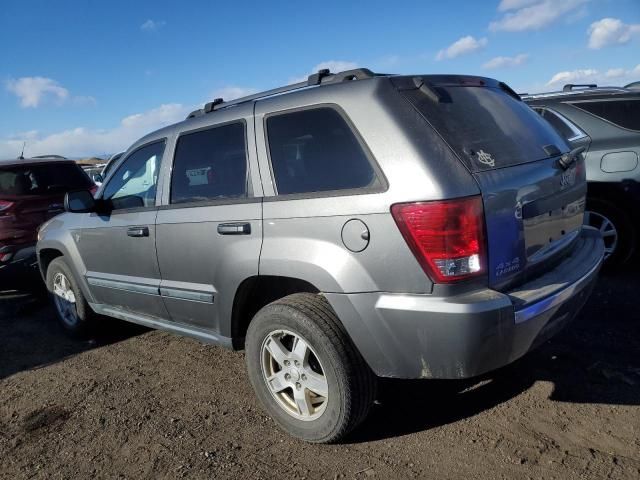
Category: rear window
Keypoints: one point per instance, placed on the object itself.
(624, 113)
(315, 150)
(487, 127)
(42, 179)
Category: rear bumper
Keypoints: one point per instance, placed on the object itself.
(422, 336)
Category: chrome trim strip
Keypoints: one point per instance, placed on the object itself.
(191, 295)
(557, 298)
(126, 286)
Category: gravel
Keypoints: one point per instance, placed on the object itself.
(134, 403)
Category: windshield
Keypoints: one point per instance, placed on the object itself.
(487, 127)
(42, 179)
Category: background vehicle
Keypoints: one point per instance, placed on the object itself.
(94, 172)
(329, 229)
(113, 160)
(606, 121)
(31, 192)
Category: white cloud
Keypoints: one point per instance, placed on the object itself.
(615, 76)
(611, 31)
(580, 75)
(33, 90)
(81, 141)
(231, 92)
(506, 5)
(503, 62)
(152, 25)
(333, 65)
(462, 46)
(615, 73)
(532, 15)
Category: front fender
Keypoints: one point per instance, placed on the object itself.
(55, 235)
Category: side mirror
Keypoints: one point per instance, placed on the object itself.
(97, 178)
(79, 201)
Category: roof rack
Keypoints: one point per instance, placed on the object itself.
(322, 77)
(565, 92)
(570, 86)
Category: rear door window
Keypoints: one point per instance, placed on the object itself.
(315, 150)
(625, 113)
(210, 164)
(42, 179)
(486, 126)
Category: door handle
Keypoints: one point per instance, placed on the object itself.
(234, 229)
(138, 232)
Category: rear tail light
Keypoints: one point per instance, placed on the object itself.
(5, 205)
(5, 257)
(447, 237)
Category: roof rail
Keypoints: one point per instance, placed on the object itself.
(567, 93)
(322, 77)
(570, 86)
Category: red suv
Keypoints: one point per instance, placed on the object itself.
(31, 192)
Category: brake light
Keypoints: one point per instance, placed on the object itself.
(5, 257)
(447, 237)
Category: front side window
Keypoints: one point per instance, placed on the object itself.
(315, 150)
(624, 113)
(134, 183)
(210, 164)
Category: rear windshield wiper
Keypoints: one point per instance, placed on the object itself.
(568, 158)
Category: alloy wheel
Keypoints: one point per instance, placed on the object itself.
(607, 230)
(65, 299)
(294, 375)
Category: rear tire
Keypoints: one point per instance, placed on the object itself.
(72, 309)
(618, 231)
(320, 395)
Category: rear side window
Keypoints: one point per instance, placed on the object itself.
(624, 113)
(315, 150)
(563, 126)
(42, 179)
(486, 126)
(210, 164)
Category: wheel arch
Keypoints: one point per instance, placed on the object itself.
(45, 257)
(257, 291)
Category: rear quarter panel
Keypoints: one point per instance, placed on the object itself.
(302, 234)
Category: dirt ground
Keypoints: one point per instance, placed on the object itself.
(134, 403)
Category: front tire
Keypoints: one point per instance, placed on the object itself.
(305, 370)
(71, 306)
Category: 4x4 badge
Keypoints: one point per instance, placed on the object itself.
(486, 158)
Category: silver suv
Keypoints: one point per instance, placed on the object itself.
(345, 228)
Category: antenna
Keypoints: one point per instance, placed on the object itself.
(21, 157)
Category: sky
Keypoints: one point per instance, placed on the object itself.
(80, 78)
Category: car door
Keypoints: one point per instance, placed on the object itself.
(209, 228)
(117, 245)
